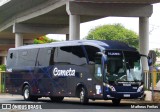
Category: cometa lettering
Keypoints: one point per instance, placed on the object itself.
(57, 72)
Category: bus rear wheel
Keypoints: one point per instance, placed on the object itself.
(27, 94)
(57, 99)
(83, 96)
(116, 101)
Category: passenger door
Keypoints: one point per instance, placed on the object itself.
(43, 77)
(95, 69)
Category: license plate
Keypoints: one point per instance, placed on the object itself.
(126, 84)
(126, 95)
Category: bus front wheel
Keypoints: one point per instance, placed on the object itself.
(83, 96)
(27, 94)
(116, 101)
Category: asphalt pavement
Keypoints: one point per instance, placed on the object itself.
(17, 104)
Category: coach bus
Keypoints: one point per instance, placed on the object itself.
(87, 69)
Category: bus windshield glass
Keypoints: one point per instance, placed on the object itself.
(133, 66)
(123, 66)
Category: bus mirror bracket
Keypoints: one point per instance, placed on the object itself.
(148, 58)
(99, 53)
(103, 55)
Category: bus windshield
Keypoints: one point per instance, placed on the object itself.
(123, 66)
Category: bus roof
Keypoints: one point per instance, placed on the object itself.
(102, 44)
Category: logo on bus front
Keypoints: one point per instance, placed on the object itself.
(64, 73)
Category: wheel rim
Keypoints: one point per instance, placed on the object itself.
(82, 96)
(26, 93)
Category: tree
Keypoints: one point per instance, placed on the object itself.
(157, 53)
(2, 67)
(43, 39)
(114, 32)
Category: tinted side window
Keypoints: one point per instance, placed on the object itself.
(70, 55)
(78, 56)
(44, 57)
(132, 58)
(91, 52)
(27, 57)
(12, 58)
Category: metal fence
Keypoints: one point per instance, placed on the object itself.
(152, 80)
(2, 82)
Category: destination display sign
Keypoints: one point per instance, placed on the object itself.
(114, 53)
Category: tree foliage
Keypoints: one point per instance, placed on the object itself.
(43, 39)
(114, 32)
(2, 67)
(157, 53)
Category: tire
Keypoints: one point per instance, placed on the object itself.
(116, 102)
(57, 99)
(83, 96)
(27, 94)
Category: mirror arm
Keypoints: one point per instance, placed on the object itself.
(144, 56)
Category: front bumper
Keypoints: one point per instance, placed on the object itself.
(125, 95)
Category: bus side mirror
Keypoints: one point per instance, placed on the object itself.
(150, 62)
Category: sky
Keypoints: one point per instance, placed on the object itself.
(2, 2)
(129, 23)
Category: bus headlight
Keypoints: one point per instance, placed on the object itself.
(111, 87)
(140, 88)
